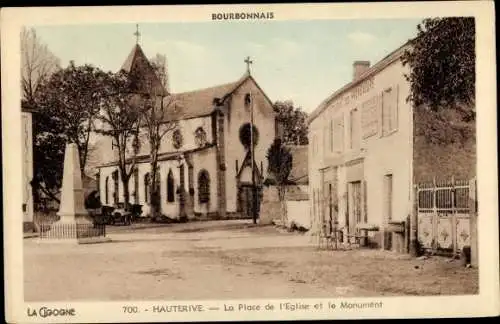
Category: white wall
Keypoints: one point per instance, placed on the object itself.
(298, 212)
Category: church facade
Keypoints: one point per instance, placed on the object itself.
(205, 164)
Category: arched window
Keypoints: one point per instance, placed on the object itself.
(115, 184)
(107, 190)
(248, 99)
(146, 187)
(200, 137)
(177, 140)
(136, 185)
(203, 187)
(170, 187)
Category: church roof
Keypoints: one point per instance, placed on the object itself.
(201, 102)
(190, 104)
(141, 69)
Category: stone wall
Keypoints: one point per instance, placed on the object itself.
(296, 204)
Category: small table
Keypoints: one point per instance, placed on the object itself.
(364, 228)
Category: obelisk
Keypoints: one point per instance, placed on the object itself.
(72, 207)
(72, 210)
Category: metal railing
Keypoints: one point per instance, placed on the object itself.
(65, 231)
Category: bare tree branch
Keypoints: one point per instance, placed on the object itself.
(37, 63)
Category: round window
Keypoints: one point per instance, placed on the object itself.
(246, 135)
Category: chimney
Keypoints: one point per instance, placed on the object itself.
(360, 67)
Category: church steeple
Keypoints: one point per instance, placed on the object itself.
(138, 64)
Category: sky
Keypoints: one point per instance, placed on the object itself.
(302, 61)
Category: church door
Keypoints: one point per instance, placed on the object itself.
(247, 202)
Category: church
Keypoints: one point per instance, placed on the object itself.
(205, 164)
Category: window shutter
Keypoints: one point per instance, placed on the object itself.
(394, 108)
(331, 135)
(354, 127)
(385, 113)
(338, 137)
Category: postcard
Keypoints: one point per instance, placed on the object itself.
(249, 162)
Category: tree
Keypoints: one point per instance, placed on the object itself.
(47, 168)
(279, 167)
(65, 107)
(120, 119)
(71, 98)
(159, 64)
(157, 124)
(442, 76)
(37, 63)
(293, 121)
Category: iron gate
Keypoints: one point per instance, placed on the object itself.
(444, 215)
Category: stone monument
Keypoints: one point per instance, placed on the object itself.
(74, 225)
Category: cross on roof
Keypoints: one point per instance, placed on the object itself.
(137, 34)
(248, 62)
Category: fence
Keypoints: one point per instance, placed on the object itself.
(443, 212)
(62, 231)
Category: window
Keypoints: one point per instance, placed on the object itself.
(200, 137)
(136, 185)
(115, 183)
(177, 139)
(338, 137)
(107, 190)
(249, 135)
(331, 136)
(326, 137)
(370, 117)
(146, 187)
(170, 187)
(203, 187)
(354, 128)
(248, 99)
(389, 111)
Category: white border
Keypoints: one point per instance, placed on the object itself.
(484, 304)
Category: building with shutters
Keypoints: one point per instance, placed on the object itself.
(360, 152)
(365, 155)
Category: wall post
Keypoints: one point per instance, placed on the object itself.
(414, 224)
(473, 222)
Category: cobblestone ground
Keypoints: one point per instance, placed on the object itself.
(227, 260)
